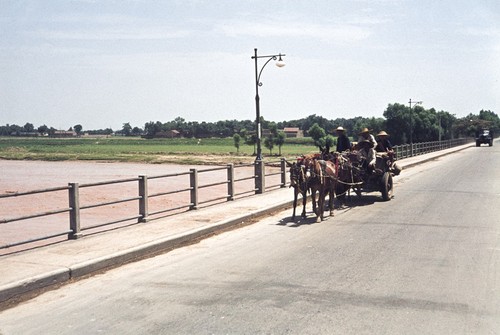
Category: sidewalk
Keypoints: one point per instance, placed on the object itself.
(27, 273)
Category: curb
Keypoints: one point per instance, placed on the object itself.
(166, 244)
(15, 290)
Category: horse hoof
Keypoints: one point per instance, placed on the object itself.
(331, 213)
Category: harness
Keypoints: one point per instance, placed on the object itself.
(309, 168)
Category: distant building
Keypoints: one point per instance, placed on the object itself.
(168, 134)
(25, 134)
(293, 132)
(63, 133)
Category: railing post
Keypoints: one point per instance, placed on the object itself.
(283, 172)
(74, 213)
(143, 201)
(259, 177)
(193, 177)
(230, 182)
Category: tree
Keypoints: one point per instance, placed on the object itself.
(445, 121)
(14, 129)
(43, 130)
(252, 140)
(269, 143)
(78, 128)
(398, 123)
(127, 129)
(311, 120)
(280, 140)
(492, 118)
(236, 140)
(29, 128)
(136, 131)
(151, 128)
(4, 130)
(330, 142)
(318, 135)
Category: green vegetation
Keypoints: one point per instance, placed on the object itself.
(401, 122)
(135, 149)
(231, 140)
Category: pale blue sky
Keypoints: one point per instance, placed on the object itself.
(102, 63)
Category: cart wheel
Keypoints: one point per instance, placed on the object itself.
(386, 186)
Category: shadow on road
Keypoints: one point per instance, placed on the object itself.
(347, 203)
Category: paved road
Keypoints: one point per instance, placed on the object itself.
(427, 262)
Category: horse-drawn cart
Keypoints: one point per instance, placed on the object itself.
(335, 174)
(353, 173)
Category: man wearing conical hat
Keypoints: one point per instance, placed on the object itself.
(367, 152)
(383, 143)
(364, 135)
(366, 145)
(385, 146)
(343, 142)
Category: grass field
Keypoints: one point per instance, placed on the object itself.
(133, 149)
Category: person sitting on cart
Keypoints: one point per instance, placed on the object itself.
(368, 154)
(383, 143)
(365, 135)
(385, 146)
(343, 142)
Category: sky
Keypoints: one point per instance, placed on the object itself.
(102, 63)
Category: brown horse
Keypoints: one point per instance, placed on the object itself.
(323, 180)
(300, 183)
(348, 166)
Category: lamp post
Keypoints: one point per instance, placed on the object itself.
(258, 73)
(411, 125)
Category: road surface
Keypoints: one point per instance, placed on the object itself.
(426, 262)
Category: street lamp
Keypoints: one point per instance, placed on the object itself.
(411, 125)
(279, 63)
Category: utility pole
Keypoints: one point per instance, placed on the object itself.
(411, 125)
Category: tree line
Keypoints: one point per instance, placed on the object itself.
(401, 122)
(30, 130)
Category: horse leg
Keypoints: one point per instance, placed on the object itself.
(313, 199)
(295, 195)
(304, 201)
(330, 200)
(358, 191)
(320, 206)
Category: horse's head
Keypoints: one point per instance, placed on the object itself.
(294, 174)
(298, 174)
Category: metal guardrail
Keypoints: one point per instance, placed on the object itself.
(262, 171)
(415, 149)
(261, 174)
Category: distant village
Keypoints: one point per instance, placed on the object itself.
(402, 123)
(290, 132)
